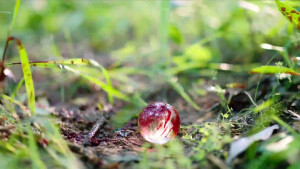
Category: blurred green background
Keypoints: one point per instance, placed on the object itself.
(148, 48)
(132, 32)
(148, 45)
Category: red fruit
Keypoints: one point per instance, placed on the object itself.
(159, 122)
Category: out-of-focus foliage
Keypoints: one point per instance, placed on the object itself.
(150, 47)
(169, 156)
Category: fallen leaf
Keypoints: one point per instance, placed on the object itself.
(243, 143)
(280, 145)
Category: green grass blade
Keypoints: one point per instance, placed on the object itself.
(284, 124)
(34, 153)
(16, 10)
(17, 88)
(264, 105)
(109, 89)
(59, 149)
(163, 32)
(106, 75)
(79, 61)
(11, 99)
(49, 64)
(26, 73)
(274, 70)
(27, 77)
(129, 111)
(177, 86)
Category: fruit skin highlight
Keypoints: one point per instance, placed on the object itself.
(159, 122)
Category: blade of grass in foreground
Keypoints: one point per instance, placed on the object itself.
(163, 32)
(76, 61)
(109, 89)
(129, 111)
(177, 86)
(11, 99)
(284, 124)
(16, 10)
(34, 153)
(50, 64)
(106, 75)
(59, 149)
(274, 70)
(26, 71)
(17, 88)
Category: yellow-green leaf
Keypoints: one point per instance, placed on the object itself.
(26, 72)
(34, 152)
(28, 77)
(11, 99)
(177, 86)
(16, 10)
(263, 106)
(289, 13)
(274, 70)
(108, 88)
(78, 61)
(106, 75)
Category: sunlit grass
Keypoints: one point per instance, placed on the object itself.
(141, 48)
